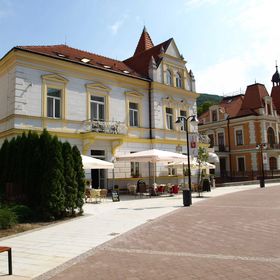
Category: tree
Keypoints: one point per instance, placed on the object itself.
(80, 176)
(71, 185)
(52, 194)
(201, 157)
(204, 107)
(4, 153)
(48, 173)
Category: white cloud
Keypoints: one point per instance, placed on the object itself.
(117, 25)
(257, 20)
(225, 77)
(199, 3)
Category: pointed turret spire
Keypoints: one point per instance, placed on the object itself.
(145, 42)
(276, 77)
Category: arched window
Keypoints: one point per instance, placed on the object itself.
(272, 163)
(178, 80)
(270, 136)
(168, 78)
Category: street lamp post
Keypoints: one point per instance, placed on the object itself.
(261, 147)
(187, 194)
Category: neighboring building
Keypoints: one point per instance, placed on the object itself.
(104, 106)
(238, 124)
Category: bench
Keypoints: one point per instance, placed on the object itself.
(9, 250)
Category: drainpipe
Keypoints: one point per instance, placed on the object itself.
(150, 109)
(230, 166)
(150, 125)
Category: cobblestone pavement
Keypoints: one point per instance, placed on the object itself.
(234, 236)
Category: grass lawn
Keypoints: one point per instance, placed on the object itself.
(21, 228)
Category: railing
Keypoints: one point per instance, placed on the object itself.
(109, 127)
(235, 176)
(221, 148)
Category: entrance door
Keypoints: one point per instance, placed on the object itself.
(223, 167)
(272, 163)
(98, 176)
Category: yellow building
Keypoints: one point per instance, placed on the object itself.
(104, 106)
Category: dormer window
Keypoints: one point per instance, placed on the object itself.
(60, 55)
(268, 105)
(168, 78)
(85, 60)
(214, 116)
(178, 80)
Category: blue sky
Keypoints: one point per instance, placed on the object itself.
(228, 44)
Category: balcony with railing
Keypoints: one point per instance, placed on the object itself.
(107, 127)
(221, 148)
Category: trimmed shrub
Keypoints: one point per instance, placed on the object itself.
(7, 218)
(71, 186)
(24, 213)
(80, 177)
(42, 173)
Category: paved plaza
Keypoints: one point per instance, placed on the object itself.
(232, 236)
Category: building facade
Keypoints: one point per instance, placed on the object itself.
(244, 132)
(104, 106)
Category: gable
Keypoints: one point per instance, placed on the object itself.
(172, 50)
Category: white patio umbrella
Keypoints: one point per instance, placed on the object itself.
(152, 156)
(94, 163)
(193, 163)
(213, 157)
(206, 164)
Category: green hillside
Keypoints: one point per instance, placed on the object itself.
(204, 101)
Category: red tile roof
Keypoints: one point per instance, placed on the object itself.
(229, 105)
(253, 99)
(140, 62)
(254, 95)
(67, 53)
(232, 104)
(144, 43)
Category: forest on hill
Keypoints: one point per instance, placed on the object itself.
(204, 101)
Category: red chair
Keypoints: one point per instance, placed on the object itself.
(160, 189)
(175, 189)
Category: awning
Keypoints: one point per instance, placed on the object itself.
(94, 163)
(212, 157)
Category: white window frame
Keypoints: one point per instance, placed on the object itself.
(169, 77)
(99, 105)
(179, 82)
(134, 169)
(134, 113)
(169, 118)
(184, 115)
(235, 136)
(172, 171)
(54, 100)
(54, 81)
(221, 132)
(217, 115)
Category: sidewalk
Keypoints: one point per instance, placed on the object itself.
(40, 251)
